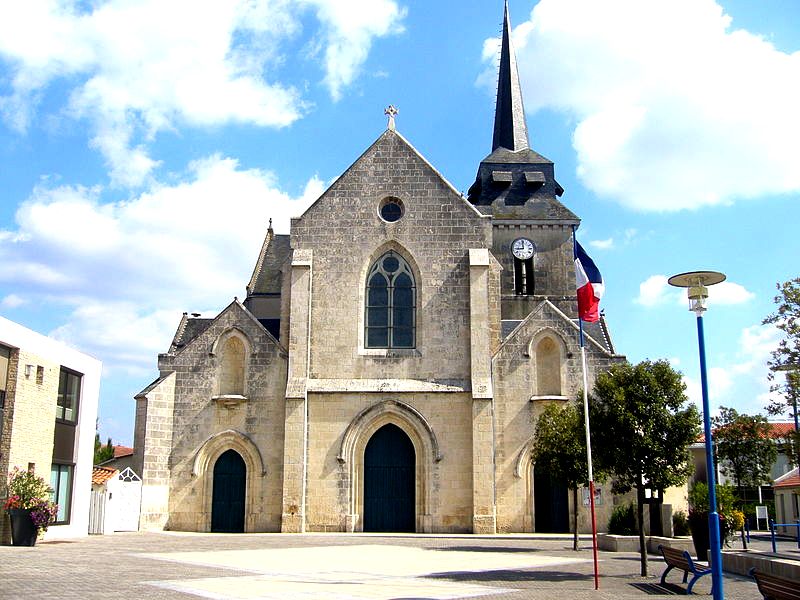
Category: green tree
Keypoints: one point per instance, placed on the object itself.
(745, 449)
(786, 357)
(560, 449)
(102, 453)
(642, 425)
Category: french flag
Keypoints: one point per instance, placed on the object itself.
(590, 286)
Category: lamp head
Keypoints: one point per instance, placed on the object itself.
(697, 299)
(696, 282)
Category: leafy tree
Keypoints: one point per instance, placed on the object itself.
(560, 449)
(102, 453)
(641, 431)
(745, 449)
(786, 357)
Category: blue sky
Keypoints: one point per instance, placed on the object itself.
(144, 145)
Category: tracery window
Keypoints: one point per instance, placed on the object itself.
(390, 304)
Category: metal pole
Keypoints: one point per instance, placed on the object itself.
(588, 433)
(713, 517)
(589, 464)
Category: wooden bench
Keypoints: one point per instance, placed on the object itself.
(774, 587)
(681, 559)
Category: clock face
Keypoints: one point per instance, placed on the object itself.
(522, 248)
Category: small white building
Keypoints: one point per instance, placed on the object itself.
(787, 501)
(116, 500)
(48, 409)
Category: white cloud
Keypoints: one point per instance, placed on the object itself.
(663, 95)
(741, 381)
(655, 291)
(351, 26)
(729, 293)
(126, 270)
(12, 301)
(602, 244)
(141, 68)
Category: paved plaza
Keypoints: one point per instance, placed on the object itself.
(330, 566)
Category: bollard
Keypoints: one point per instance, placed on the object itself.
(772, 533)
(747, 529)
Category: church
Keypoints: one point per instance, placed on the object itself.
(386, 367)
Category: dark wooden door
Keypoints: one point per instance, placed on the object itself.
(550, 504)
(227, 501)
(389, 481)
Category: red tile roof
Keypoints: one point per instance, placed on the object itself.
(120, 451)
(102, 474)
(777, 430)
(791, 479)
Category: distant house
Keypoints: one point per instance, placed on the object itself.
(781, 466)
(787, 500)
(123, 457)
(48, 407)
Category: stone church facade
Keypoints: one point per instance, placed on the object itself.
(386, 367)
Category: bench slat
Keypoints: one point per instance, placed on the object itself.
(775, 586)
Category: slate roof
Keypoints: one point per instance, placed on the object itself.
(271, 262)
(597, 332)
(188, 329)
(510, 130)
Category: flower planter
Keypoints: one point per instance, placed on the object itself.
(23, 530)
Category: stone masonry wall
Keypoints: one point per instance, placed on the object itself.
(199, 420)
(448, 488)
(30, 414)
(515, 383)
(554, 271)
(346, 234)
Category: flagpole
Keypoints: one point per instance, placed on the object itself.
(588, 436)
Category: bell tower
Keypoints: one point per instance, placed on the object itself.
(516, 185)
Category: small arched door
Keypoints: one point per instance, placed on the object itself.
(227, 500)
(390, 481)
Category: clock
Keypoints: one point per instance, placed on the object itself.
(522, 248)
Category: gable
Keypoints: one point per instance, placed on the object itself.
(390, 167)
(203, 333)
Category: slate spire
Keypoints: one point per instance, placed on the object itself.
(510, 131)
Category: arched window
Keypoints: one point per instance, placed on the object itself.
(548, 368)
(390, 304)
(232, 374)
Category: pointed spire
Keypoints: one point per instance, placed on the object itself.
(510, 130)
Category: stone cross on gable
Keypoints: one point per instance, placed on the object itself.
(391, 112)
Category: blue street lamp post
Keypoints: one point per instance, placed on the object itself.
(696, 282)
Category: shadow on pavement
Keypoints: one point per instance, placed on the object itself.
(511, 575)
(485, 549)
(655, 589)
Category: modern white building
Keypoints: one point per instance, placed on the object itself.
(48, 409)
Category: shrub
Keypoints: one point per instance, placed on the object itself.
(731, 520)
(28, 491)
(680, 523)
(623, 520)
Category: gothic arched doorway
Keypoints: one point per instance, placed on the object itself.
(550, 503)
(227, 501)
(389, 481)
